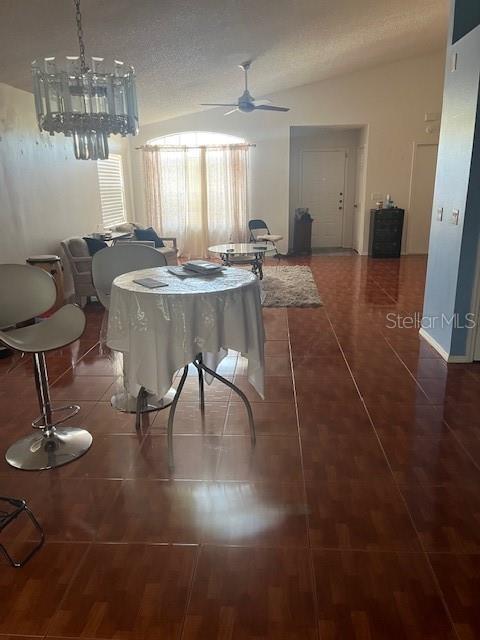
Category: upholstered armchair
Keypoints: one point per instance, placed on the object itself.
(170, 250)
(80, 263)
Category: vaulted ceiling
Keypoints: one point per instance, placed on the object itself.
(186, 51)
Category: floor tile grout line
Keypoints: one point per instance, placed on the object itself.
(409, 372)
(264, 545)
(190, 590)
(110, 508)
(311, 565)
(402, 497)
(384, 291)
(69, 586)
(71, 368)
(452, 431)
(461, 445)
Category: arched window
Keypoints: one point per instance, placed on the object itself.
(196, 185)
(196, 139)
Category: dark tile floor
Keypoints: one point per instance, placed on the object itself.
(356, 516)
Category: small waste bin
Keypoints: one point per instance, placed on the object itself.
(53, 265)
(302, 232)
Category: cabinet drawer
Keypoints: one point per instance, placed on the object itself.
(386, 249)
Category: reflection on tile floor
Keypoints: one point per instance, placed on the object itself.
(356, 515)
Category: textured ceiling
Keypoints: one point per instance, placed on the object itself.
(185, 51)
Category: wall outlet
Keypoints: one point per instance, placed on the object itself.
(440, 214)
(455, 216)
(432, 116)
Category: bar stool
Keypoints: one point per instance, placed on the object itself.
(25, 293)
(107, 265)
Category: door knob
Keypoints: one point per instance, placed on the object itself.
(340, 207)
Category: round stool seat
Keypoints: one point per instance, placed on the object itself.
(44, 258)
(64, 327)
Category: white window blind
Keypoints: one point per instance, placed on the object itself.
(112, 191)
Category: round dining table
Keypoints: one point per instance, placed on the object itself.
(191, 319)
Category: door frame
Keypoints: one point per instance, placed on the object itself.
(358, 212)
(415, 146)
(345, 181)
(472, 346)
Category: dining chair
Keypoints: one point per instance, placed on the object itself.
(107, 265)
(259, 232)
(79, 262)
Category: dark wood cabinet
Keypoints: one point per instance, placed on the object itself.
(386, 227)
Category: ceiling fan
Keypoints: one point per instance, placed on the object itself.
(246, 102)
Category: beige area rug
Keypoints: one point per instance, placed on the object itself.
(289, 287)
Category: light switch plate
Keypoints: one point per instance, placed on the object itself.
(376, 196)
(455, 216)
(440, 214)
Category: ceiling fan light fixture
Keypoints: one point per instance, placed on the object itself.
(246, 103)
(85, 102)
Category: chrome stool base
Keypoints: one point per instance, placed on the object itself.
(128, 404)
(49, 448)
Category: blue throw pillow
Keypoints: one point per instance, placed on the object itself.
(149, 234)
(94, 245)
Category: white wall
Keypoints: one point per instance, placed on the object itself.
(391, 99)
(45, 193)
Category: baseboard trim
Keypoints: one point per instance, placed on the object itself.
(433, 343)
(459, 359)
(445, 355)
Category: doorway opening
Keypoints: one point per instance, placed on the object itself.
(327, 176)
(422, 184)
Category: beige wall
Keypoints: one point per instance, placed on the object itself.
(45, 193)
(391, 99)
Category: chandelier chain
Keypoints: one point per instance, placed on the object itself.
(81, 44)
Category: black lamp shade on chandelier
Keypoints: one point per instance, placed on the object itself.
(86, 103)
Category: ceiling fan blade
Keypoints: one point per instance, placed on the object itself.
(229, 112)
(218, 104)
(271, 107)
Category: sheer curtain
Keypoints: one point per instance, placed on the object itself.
(197, 194)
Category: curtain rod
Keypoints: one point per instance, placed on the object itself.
(153, 147)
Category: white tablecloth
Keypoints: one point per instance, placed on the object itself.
(162, 330)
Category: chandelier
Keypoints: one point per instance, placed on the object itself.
(86, 103)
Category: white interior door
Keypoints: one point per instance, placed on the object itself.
(322, 190)
(424, 165)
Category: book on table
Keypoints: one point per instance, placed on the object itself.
(202, 266)
(150, 283)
